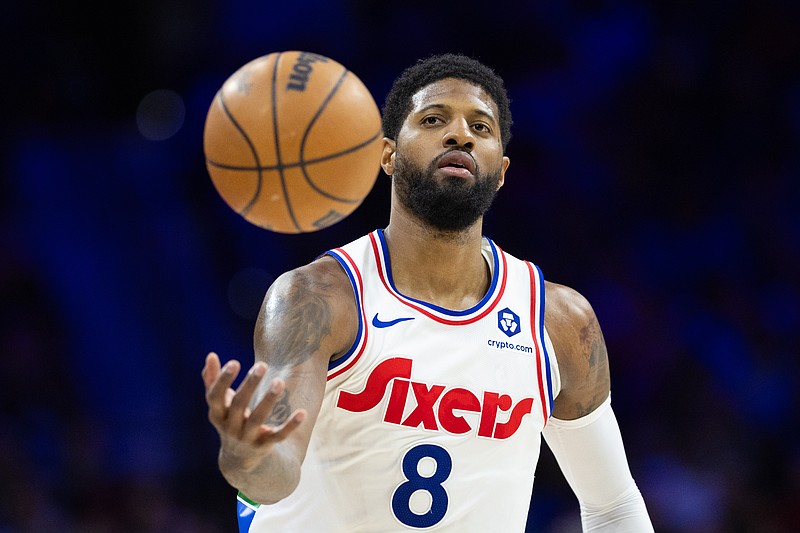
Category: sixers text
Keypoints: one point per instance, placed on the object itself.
(397, 370)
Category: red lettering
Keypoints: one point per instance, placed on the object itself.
(423, 412)
(375, 388)
(491, 402)
(503, 431)
(397, 402)
(397, 371)
(453, 399)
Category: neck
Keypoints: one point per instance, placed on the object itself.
(440, 267)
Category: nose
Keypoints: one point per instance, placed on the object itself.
(458, 133)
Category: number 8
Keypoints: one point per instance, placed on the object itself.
(401, 499)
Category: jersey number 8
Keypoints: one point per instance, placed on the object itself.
(401, 499)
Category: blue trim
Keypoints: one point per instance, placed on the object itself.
(541, 336)
(474, 308)
(338, 362)
(244, 516)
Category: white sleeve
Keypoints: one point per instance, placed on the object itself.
(591, 455)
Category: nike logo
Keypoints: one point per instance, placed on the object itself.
(378, 323)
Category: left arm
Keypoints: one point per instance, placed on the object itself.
(583, 433)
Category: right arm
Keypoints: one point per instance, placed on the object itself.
(583, 433)
(307, 318)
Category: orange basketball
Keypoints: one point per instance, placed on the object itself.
(293, 141)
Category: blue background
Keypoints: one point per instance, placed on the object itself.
(655, 168)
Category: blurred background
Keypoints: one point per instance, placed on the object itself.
(655, 168)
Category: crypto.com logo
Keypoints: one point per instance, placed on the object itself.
(508, 322)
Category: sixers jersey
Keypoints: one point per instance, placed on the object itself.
(432, 420)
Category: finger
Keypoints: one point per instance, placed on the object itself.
(241, 400)
(210, 369)
(266, 407)
(271, 434)
(216, 392)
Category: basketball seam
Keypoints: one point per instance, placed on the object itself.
(308, 162)
(311, 123)
(253, 150)
(280, 166)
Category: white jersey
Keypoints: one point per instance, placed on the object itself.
(432, 420)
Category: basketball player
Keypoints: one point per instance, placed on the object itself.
(403, 380)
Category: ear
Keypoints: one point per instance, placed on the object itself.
(387, 156)
(503, 168)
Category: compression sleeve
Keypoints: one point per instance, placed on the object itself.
(591, 455)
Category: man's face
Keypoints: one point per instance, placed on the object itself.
(447, 163)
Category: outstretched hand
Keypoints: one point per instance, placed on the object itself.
(245, 438)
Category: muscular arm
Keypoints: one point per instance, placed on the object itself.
(580, 351)
(583, 433)
(307, 318)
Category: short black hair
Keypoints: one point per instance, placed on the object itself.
(438, 67)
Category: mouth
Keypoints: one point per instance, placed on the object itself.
(457, 163)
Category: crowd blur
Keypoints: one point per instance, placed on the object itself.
(655, 168)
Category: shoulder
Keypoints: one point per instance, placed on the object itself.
(324, 275)
(322, 280)
(580, 351)
(566, 311)
(314, 301)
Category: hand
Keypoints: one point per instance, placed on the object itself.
(245, 440)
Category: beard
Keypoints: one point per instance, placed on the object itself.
(451, 205)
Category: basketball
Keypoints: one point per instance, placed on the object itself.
(292, 142)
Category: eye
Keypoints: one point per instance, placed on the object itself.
(482, 127)
(431, 120)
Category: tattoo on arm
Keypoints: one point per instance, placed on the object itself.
(582, 410)
(281, 411)
(282, 408)
(291, 328)
(594, 347)
(305, 316)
